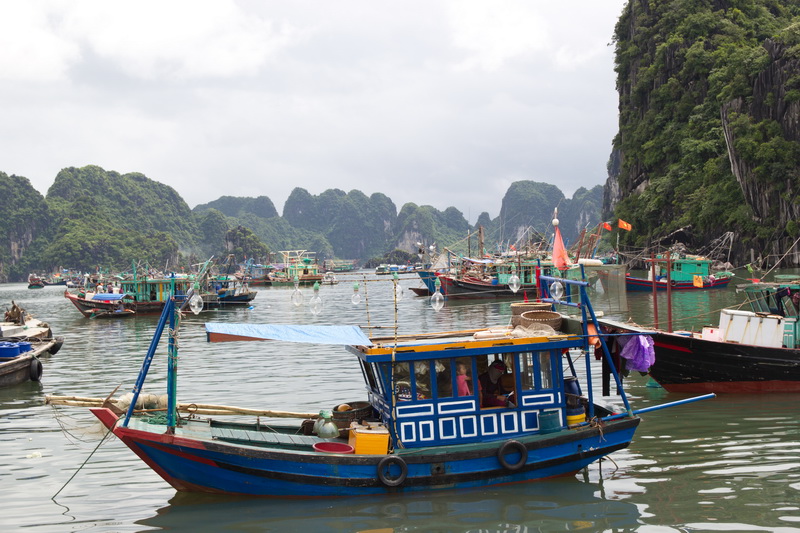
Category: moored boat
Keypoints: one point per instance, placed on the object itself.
(747, 351)
(23, 339)
(114, 314)
(469, 408)
(329, 278)
(145, 296)
(226, 289)
(299, 266)
(686, 272)
(19, 361)
(18, 325)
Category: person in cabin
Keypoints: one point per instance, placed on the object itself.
(491, 389)
(461, 380)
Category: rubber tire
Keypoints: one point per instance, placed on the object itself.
(510, 446)
(673, 283)
(57, 346)
(388, 461)
(35, 369)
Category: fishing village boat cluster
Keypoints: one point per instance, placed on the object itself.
(491, 405)
(468, 408)
(144, 294)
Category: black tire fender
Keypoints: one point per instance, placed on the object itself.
(35, 369)
(673, 282)
(57, 346)
(383, 470)
(512, 446)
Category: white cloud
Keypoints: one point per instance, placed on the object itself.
(496, 32)
(30, 51)
(432, 102)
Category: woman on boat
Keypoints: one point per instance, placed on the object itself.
(492, 392)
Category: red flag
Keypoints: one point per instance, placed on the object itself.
(607, 226)
(623, 225)
(560, 257)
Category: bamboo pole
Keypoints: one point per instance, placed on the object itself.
(196, 408)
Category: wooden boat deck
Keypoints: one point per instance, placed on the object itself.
(265, 437)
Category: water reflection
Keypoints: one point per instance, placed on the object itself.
(560, 505)
(729, 463)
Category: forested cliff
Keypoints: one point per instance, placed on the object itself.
(709, 124)
(93, 218)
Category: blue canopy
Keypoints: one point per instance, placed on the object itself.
(346, 335)
(108, 296)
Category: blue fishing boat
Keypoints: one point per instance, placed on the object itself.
(468, 408)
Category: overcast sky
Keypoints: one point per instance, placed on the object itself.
(434, 102)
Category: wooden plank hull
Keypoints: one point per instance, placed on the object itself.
(88, 308)
(195, 460)
(26, 366)
(473, 288)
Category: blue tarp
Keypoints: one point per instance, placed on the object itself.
(346, 335)
(112, 297)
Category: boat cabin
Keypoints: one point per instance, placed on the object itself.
(413, 383)
(682, 268)
(301, 265)
(156, 289)
(773, 320)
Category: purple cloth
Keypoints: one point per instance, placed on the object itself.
(639, 353)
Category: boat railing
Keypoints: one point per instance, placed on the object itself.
(553, 290)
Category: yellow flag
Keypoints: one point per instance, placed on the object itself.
(698, 281)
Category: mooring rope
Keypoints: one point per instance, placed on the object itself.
(72, 438)
(108, 432)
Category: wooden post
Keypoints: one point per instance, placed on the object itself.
(669, 292)
(653, 272)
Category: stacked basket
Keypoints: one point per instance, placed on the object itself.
(517, 308)
(345, 413)
(530, 319)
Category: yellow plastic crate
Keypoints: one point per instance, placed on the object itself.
(369, 440)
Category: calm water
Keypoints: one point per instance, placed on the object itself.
(727, 464)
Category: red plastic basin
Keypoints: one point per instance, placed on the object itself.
(333, 447)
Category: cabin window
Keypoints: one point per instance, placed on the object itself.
(536, 370)
(545, 370)
(376, 375)
(422, 373)
(372, 383)
(444, 378)
(527, 371)
(400, 378)
(411, 380)
(495, 393)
